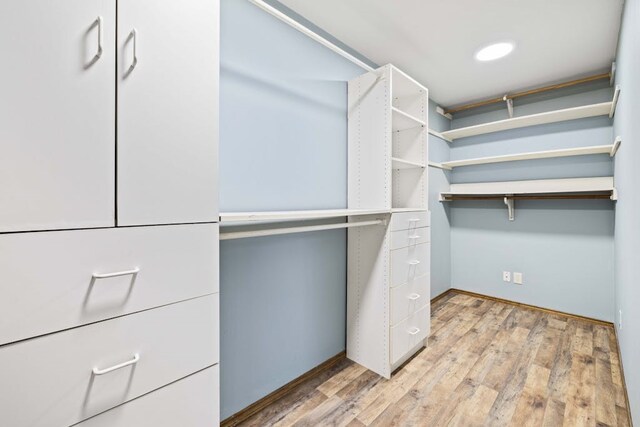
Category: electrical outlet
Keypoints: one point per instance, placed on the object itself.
(506, 276)
(517, 278)
(620, 320)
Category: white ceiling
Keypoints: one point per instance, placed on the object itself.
(434, 41)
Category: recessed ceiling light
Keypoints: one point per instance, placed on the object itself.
(494, 51)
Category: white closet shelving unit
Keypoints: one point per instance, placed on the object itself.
(593, 110)
(106, 325)
(388, 296)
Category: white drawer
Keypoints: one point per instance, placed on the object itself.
(409, 333)
(46, 278)
(192, 401)
(408, 298)
(49, 381)
(410, 237)
(407, 220)
(409, 263)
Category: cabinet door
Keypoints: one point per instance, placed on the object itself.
(167, 111)
(57, 114)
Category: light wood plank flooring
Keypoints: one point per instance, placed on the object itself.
(487, 364)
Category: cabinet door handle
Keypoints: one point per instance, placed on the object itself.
(413, 262)
(133, 361)
(99, 53)
(134, 40)
(415, 236)
(414, 220)
(414, 331)
(116, 274)
(414, 297)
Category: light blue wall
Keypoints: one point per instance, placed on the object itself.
(440, 212)
(283, 145)
(627, 266)
(563, 248)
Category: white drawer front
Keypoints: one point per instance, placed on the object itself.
(409, 263)
(408, 298)
(192, 401)
(408, 333)
(410, 237)
(49, 381)
(407, 220)
(47, 284)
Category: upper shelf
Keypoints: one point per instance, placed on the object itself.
(566, 152)
(296, 215)
(602, 109)
(403, 121)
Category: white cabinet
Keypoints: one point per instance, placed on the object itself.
(57, 114)
(64, 378)
(167, 111)
(192, 401)
(388, 283)
(50, 281)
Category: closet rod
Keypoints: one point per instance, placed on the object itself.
(306, 31)
(448, 198)
(504, 98)
(289, 230)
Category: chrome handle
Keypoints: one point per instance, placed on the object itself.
(134, 37)
(414, 331)
(116, 274)
(99, 53)
(414, 297)
(413, 262)
(133, 361)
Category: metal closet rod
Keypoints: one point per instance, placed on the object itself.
(288, 230)
(531, 197)
(504, 98)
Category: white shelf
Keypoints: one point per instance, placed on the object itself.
(403, 121)
(397, 163)
(296, 215)
(567, 152)
(541, 186)
(602, 109)
(399, 210)
(405, 86)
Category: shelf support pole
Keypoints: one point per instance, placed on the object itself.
(510, 206)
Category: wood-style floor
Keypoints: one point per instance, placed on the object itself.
(487, 364)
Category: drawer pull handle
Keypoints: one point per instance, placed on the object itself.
(414, 297)
(415, 236)
(414, 331)
(133, 361)
(98, 22)
(414, 220)
(414, 262)
(134, 272)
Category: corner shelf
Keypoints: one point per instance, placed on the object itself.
(403, 121)
(593, 110)
(227, 217)
(566, 152)
(397, 163)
